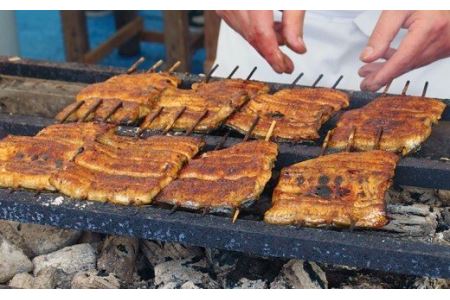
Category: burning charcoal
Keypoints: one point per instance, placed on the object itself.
(12, 261)
(176, 273)
(444, 196)
(431, 283)
(38, 239)
(413, 220)
(67, 262)
(299, 274)
(157, 252)
(22, 281)
(118, 256)
(411, 195)
(92, 279)
(222, 261)
(245, 283)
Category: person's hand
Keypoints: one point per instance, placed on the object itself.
(266, 36)
(427, 40)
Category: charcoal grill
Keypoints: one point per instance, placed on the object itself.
(369, 249)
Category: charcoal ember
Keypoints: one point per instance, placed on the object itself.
(118, 256)
(93, 238)
(411, 195)
(245, 283)
(45, 279)
(222, 261)
(431, 283)
(37, 240)
(189, 286)
(365, 281)
(445, 213)
(93, 279)
(12, 261)
(67, 262)
(22, 281)
(299, 274)
(442, 237)
(159, 252)
(175, 273)
(444, 196)
(413, 220)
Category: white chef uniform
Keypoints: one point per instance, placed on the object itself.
(334, 40)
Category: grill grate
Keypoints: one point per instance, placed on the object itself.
(378, 250)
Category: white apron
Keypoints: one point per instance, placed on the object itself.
(334, 40)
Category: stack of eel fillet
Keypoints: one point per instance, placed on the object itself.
(29, 162)
(122, 99)
(223, 180)
(299, 113)
(342, 189)
(125, 170)
(403, 122)
(203, 108)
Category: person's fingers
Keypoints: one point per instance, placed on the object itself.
(403, 60)
(278, 27)
(371, 68)
(385, 31)
(292, 25)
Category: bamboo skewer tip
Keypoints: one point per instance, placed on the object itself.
(235, 215)
(174, 67)
(135, 65)
(155, 66)
(270, 131)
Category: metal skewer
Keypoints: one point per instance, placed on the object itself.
(252, 127)
(232, 72)
(178, 115)
(208, 76)
(405, 88)
(199, 119)
(251, 73)
(174, 67)
(76, 106)
(155, 66)
(296, 80)
(317, 81)
(337, 82)
(425, 88)
(113, 111)
(91, 109)
(134, 66)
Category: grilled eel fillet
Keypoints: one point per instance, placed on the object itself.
(78, 133)
(136, 92)
(125, 171)
(299, 113)
(405, 122)
(229, 88)
(28, 162)
(218, 99)
(343, 189)
(224, 179)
